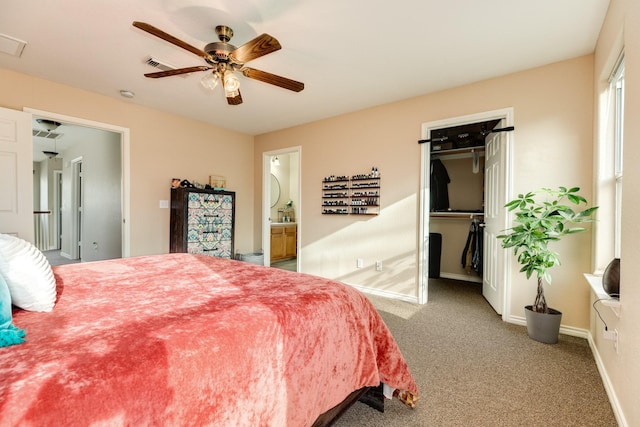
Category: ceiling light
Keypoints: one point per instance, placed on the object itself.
(231, 83)
(127, 93)
(210, 80)
(48, 125)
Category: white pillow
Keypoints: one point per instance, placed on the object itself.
(27, 273)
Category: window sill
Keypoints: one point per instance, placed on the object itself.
(596, 286)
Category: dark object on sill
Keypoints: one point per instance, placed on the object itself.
(611, 278)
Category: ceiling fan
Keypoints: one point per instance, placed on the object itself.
(224, 58)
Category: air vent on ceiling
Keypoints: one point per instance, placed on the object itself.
(45, 134)
(162, 66)
(156, 63)
(11, 45)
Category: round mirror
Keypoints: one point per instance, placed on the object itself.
(275, 190)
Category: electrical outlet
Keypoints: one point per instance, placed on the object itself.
(378, 265)
(611, 336)
(359, 263)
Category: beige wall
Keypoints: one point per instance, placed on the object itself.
(163, 146)
(622, 369)
(552, 147)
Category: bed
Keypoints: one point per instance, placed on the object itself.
(183, 339)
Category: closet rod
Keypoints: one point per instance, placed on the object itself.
(507, 129)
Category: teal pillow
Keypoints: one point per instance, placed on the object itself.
(9, 334)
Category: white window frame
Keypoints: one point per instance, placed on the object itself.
(616, 82)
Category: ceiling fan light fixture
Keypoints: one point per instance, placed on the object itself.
(231, 83)
(210, 80)
(51, 154)
(225, 58)
(48, 125)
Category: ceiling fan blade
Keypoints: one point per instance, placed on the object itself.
(234, 100)
(255, 48)
(273, 79)
(177, 71)
(171, 39)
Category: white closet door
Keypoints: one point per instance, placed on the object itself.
(16, 174)
(494, 216)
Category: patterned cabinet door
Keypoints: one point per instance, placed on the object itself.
(202, 222)
(210, 222)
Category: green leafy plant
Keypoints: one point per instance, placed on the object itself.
(543, 216)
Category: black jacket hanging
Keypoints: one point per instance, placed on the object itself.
(439, 188)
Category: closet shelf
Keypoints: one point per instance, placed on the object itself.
(468, 150)
(456, 215)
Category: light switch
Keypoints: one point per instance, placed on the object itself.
(164, 204)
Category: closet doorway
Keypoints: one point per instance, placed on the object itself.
(483, 205)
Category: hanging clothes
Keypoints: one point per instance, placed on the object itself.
(439, 188)
(472, 253)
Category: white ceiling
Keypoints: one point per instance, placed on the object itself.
(350, 55)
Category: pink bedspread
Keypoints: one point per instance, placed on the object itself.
(184, 339)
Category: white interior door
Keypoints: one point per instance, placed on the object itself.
(494, 219)
(77, 200)
(16, 174)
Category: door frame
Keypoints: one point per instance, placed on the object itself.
(76, 215)
(266, 202)
(125, 159)
(505, 114)
(55, 213)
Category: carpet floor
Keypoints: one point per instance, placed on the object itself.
(473, 369)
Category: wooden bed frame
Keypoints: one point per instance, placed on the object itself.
(371, 396)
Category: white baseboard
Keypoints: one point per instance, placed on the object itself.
(565, 330)
(385, 294)
(606, 381)
(574, 332)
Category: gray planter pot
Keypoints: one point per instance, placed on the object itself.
(543, 327)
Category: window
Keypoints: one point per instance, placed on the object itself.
(617, 88)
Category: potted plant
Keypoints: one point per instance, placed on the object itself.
(543, 216)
